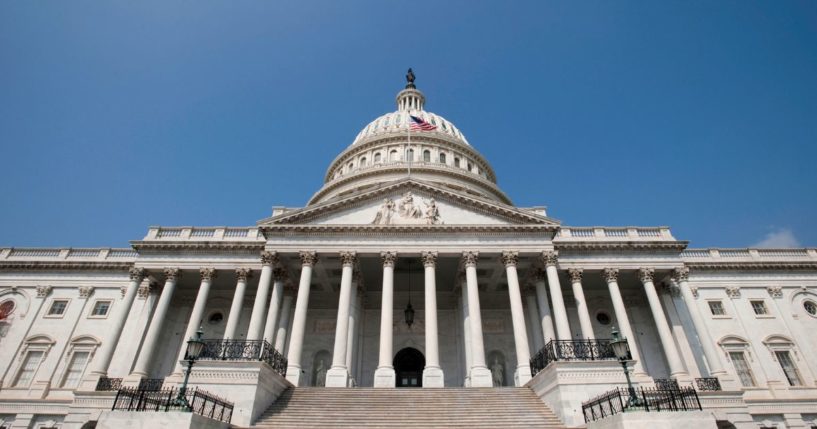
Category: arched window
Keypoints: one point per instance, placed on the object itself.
(32, 355)
(377, 157)
(737, 349)
(456, 162)
(426, 155)
(442, 158)
(784, 352)
(393, 156)
(410, 155)
(470, 167)
(363, 161)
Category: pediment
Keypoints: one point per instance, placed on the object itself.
(408, 203)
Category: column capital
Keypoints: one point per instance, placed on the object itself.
(646, 274)
(308, 258)
(429, 258)
(242, 274)
(145, 290)
(575, 275)
(85, 291)
(208, 273)
(269, 258)
(389, 258)
(347, 259)
(279, 274)
(172, 274)
(469, 258)
(671, 288)
(136, 273)
(610, 275)
(550, 257)
(680, 274)
(539, 275)
(510, 257)
(43, 291)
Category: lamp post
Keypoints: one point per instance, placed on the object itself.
(622, 351)
(194, 348)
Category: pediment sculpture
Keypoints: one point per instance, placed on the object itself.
(406, 212)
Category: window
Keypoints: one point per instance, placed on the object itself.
(742, 368)
(215, 318)
(410, 155)
(716, 307)
(377, 157)
(810, 307)
(101, 309)
(456, 162)
(442, 158)
(350, 166)
(427, 156)
(792, 375)
(76, 367)
(393, 155)
(6, 308)
(603, 318)
(363, 161)
(28, 368)
(759, 307)
(470, 167)
(58, 307)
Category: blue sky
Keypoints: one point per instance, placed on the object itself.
(697, 115)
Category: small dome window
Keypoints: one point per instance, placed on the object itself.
(393, 155)
(350, 166)
(442, 158)
(444, 127)
(426, 155)
(410, 154)
(433, 121)
(363, 161)
(377, 157)
(456, 162)
(470, 167)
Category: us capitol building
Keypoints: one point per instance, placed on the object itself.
(409, 267)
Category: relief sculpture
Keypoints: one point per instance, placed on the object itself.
(406, 212)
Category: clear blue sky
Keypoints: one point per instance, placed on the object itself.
(117, 115)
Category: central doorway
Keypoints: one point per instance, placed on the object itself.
(408, 367)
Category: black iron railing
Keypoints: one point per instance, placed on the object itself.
(708, 384)
(666, 384)
(201, 402)
(244, 350)
(640, 399)
(106, 384)
(151, 384)
(556, 350)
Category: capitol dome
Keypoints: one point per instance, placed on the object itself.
(389, 149)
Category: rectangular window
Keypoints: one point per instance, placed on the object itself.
(57, 307)
(742, 368)
(792, 375)
(716, 307)
(101, 308)
(75, 369)
(29, 367)
(759, 307)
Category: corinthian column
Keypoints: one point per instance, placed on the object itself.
(207, 276)
(559, 310)
(520, 333)
(384, 374)
(432, 373)
(611, 276)
(338, 374)
(676, 367)
(279, 275)
(256, 329)
(581, 304)
(681, 276)
(480, 374)
(546, 319)
(296, 340)
(533, 319)
(241, 275)
(142, 367)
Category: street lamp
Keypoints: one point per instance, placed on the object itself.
(622, 351)
(195, 346)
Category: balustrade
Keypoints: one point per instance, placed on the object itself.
(567, 350)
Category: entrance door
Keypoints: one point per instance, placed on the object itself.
(408, 366)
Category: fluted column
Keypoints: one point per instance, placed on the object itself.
(338, 374)
(142, 367)
(545, 315)
(520, 333)
(241, 275)
(611, 276)
(466, 328)
(384, 375)
(283, 323)
(432, 373)
(480, 374)
(676, 366)
(681, 276)
(581, 303)
(102, 360)
(196, 316)
(256, 329)
(533, 319)
(296, 341)
(559, 310)
(279, 275)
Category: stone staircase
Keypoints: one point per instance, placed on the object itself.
(511, 407)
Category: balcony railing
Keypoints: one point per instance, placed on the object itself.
(619, 400)
(708, 384)
(244, 350)
(556, 350)
(666, 384)
(106, 384)
(201, 402)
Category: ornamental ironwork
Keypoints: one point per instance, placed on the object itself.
(260, 350)
(557, 350)
(666, 384)
(201, 402)
(617, 401)
(106, 384)
(708, 384)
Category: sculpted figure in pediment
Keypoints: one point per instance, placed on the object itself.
(406, 212)
(432, 214)
(407, 207)
(384, 214)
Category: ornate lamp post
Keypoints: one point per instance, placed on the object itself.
(194, 348)
(622, 351)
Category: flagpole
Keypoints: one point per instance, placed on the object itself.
(409, 145)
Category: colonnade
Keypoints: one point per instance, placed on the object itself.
(271, 310)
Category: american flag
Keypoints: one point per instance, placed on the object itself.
(418, 124)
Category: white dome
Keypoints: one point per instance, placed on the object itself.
(397, 123)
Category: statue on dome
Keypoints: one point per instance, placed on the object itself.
(384, 215)
(410, 78)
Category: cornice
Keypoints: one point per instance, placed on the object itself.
(207, 245)
(402, 229)
(426, 167)
(65, 265)
(771, 265)
(621, 245)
